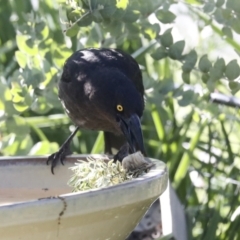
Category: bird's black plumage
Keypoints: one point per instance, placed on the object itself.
(94, 83)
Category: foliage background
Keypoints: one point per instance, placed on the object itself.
(186, 50)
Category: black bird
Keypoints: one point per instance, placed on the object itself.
(102, 89)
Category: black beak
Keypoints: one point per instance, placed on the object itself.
(131, 128)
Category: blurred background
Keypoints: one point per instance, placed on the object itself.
(186, 49)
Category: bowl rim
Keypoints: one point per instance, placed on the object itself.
(159, 171)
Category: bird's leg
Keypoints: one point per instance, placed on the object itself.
(122, 153)
(62, 152)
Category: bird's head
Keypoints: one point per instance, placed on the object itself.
(122, 105)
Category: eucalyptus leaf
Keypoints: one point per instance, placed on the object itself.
(235, 24)
(21, 59)
(219, 3)
(190, 60)
(42, 31)
(159, 53)
(215, 73)
(151, 31)
(209, 6)
(9, 108)
(165, 16)
(234, 86)
(108, 9)
(220, 64)
(85, 20)
(176, 49)
(187, 98)
(131, 16)
(186, 77)
(204, 64)
(232, 70)
(26, 44)
(72, 31)
(233, 5)
(227, 32)
(97, 17)
(122, 4)
(60, 55)
(166, 38)
(205, 77)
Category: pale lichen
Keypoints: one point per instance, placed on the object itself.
(101, 172)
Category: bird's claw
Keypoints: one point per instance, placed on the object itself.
(58, 156)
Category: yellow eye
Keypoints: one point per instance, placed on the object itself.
(119, 108)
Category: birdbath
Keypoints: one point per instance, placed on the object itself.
(36, 205)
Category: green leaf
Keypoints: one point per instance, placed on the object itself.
(186, 98)
(26, 45)
(219, 16)
(9, 108)
(133, 30)
(41, 105)
(215, 73)
(72, 31)
(220, 64)
(20, 107)
(211, 84)
(204, 64)
(5, 93)
(85, 20)
(227, 31)
(108, 10)
(209, 7)
(176, 49)
(131, 16)
(150, 31)
(190, 60)
(42, 31)
(186, 77)
(232, 70)
(234, 5)
(222, 15)
(74, 15)
(122, 4)
(205, 77)
(97, 17)
(119, 14)
(235, 24)
(166, 38)
(234, 86)
(165, 16)
(60, 55)
(21, 59)
(226, 13)
(219, 3)
(159, 53)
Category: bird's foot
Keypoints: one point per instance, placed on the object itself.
(60, 155)
(122, 153)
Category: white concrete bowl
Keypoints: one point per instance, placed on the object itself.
(36, 205)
